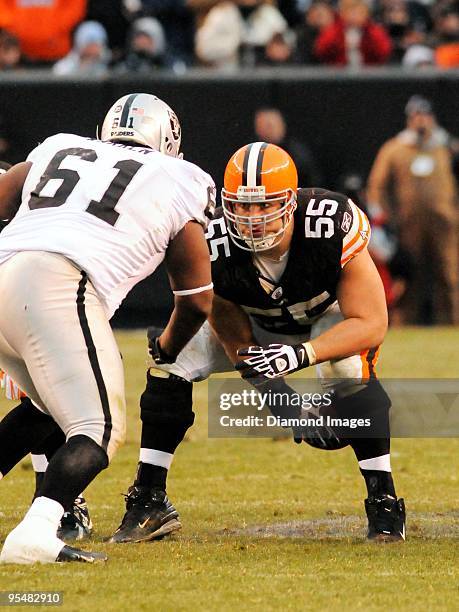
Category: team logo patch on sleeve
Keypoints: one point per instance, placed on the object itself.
(346, 222)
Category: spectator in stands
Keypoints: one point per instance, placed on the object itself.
(293, 11)
(270, 126)
(407, 23)
(178, 20)
(113, 16)
(146, 47)
(233, 33)
(418, 56)
(42, 28)
(10, 52)
(90, 54)
(279, 51)
(318, 16)
(412, 180)
(354, 39)
(447, 37)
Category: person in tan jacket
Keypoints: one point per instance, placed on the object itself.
(412, 181)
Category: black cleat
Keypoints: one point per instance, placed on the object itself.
(149, 516)
(68, 554)
(386, 518)
(76, 524)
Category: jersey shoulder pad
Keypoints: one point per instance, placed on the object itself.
(356, 232)
(194, 189)
(53, 144)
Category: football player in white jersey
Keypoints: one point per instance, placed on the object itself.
(76, 523)
(90, 219)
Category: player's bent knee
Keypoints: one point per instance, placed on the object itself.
(110, 435)
(367, 411)
(84, 453)
(167, 402)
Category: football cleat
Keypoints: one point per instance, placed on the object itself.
(31, 542)
(75, 524)
(149, 516)
(69, 554)
(386, 518)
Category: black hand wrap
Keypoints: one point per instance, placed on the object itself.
(158, 355)
(318, 436)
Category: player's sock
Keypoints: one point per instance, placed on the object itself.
(376, 470)
(166, 410)
(39, 464)
(373, 453)
(72, 468)
(20, 430)
(152, 476)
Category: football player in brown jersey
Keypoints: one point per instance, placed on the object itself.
(292, 272)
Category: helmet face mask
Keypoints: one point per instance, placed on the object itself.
(252, 232)
(146, 120)
(259, 196)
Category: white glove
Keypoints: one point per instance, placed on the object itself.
(271, 361)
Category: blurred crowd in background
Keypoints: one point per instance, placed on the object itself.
(411, 198)
(97, 36)
(411, 192)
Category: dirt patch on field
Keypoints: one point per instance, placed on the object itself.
(419, 525)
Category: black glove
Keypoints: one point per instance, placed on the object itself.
(271, 361)
(319, 436)
(158, 355)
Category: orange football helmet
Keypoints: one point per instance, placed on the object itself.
(265, 175)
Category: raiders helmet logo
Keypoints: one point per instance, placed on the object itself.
(175, 125)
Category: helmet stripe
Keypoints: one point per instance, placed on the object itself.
(260, 162)
(254, 156)
(126, 109)
(245, 164)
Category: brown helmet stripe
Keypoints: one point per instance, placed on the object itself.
(245, 164)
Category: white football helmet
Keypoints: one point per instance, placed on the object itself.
(144, 119)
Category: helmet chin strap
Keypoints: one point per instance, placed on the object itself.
(261, 244)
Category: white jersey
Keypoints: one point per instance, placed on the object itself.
(110, 208)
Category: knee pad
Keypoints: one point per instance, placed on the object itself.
(72, 468)
(366, 412)
(167, 402)
(369, 401)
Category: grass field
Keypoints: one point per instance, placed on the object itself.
(267, 525)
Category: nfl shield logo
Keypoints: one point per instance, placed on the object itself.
(277, 293)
